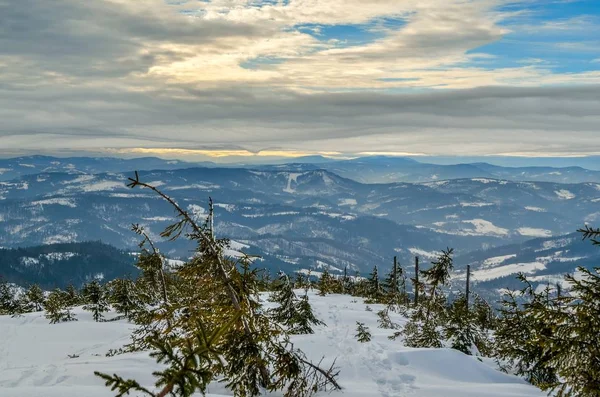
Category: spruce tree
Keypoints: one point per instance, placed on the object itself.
(294, 313)
(570, 347)
(305, 317)
(518, 334)
(460, 327)
(325, 283)
(7, 298)
(72, 296)
(123, 297)
(424, 328)
(346, 282)
(384, 320)
(285, 311)
(35, 298)
(213, 327)
(485, 315)
(362, 333)
(95, 297)
(57, 309)
(394, 286)
(374, 285)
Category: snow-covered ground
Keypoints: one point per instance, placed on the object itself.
(34, 359)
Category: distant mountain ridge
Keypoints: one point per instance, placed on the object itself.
(296, 219)
(399, 169)
(371, 169)
(57, 265)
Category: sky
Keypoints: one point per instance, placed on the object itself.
(234, 79)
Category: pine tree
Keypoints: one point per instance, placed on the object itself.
(35, 298)
(423, 331)
(96, 300)
(485, 316)
(154, 281)
(301, 281)
(362, 333)
(570, 346)
(57, 309)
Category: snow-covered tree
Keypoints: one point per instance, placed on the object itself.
(461, 328)
(7, 298)
(35, 298)
(305, 317)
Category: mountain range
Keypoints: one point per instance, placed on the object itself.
(292, 218)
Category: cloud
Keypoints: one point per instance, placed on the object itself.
(236, 76)
(474, 121)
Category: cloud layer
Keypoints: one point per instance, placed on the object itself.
(299, 75)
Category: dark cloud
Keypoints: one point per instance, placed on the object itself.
(560, 118)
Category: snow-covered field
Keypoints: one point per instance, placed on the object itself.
(34, 359)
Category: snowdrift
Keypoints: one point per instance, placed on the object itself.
(34, 358)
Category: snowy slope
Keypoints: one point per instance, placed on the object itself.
(34, 362)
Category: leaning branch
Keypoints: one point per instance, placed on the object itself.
(213, 250)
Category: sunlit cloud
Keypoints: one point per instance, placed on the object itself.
(218, 153)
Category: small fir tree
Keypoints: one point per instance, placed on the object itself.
(306, 318)
(394, 286)
(57, 309)
(325, 283)
(424, 326)
(374, 285)
(35, 298)
(295, 314)
(461, 329)
(7, 298)
(95, 297)
(123, 297)
(518, 333)
(72, 296)
(285, 311)
(384, 320)
(362, 332)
